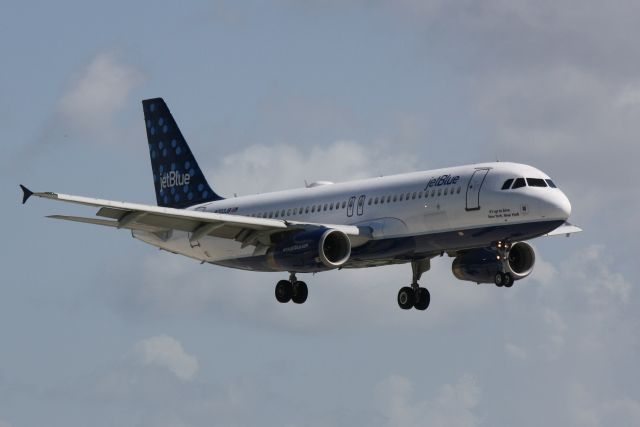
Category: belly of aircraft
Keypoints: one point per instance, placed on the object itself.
(399, 249)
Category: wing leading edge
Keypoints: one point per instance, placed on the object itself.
(158, 219)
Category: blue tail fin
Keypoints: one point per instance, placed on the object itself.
(178, 180)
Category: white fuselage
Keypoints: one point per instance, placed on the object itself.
(440, 210)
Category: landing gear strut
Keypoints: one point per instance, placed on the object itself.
(415, 296)
(503, 277)
(291, 290)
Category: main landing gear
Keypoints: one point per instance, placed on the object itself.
(414, 296)
(291, 290)
(503, 277)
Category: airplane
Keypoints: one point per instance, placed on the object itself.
(482, 215)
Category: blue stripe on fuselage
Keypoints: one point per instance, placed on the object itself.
(404, 249)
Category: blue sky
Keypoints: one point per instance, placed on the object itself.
(98, 328)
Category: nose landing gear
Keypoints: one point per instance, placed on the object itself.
(503, 277)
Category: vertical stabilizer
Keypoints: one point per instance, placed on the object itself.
(178, 180)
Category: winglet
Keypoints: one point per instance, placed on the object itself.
(26, 193)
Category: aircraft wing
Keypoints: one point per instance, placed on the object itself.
(566, 229)
(155, 219)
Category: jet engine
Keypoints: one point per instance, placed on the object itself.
(482, 265)
(313, 250)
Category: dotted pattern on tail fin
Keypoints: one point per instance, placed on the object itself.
(178, 180)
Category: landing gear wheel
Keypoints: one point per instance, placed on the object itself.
(508, 280)
(423, 298)
(406, 298)
(300, 292)
(284, 291)
(499, 279)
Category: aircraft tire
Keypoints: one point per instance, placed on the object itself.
(284, 291)
(300, 293)
(406, 298)
(423, 298)
(499, 279)
(508, 280)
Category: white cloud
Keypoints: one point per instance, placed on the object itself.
(602, 286)
(588, 408)
(556, 329)
(453, 406)
(515, 351)
(261, 168)
(629, 97)
(98, 92)
(166, 352)
(171, 284)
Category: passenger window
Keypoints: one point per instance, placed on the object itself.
(459, 188)
(326, 206)
(389, 199)
(518, 183)
(420, 195)
(536, 182)
(401, 196)
(375, 201)
(382, 200)
(413, 196)
(288, 212)
(331, 207)
(507, 184)
(433, 192)
(395, 197)
(306, 209)
(446, 191)
(370, 201)
(551, 184)
(408, 195)
(344, 204)
(439, 191)
(313, 208)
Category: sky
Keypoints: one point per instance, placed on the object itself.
(97, 328)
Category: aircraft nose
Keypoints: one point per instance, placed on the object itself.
(559, 206)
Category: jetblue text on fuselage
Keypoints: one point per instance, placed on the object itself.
(442, 180)
(173, 179)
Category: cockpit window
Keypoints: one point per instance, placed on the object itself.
(519, 182)
(551, 184)
(536, 182)
(507, 184)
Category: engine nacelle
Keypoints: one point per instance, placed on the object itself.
(314, 250)
(481, 265)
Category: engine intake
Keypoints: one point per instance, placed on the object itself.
(314, 250)
(481, 265)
